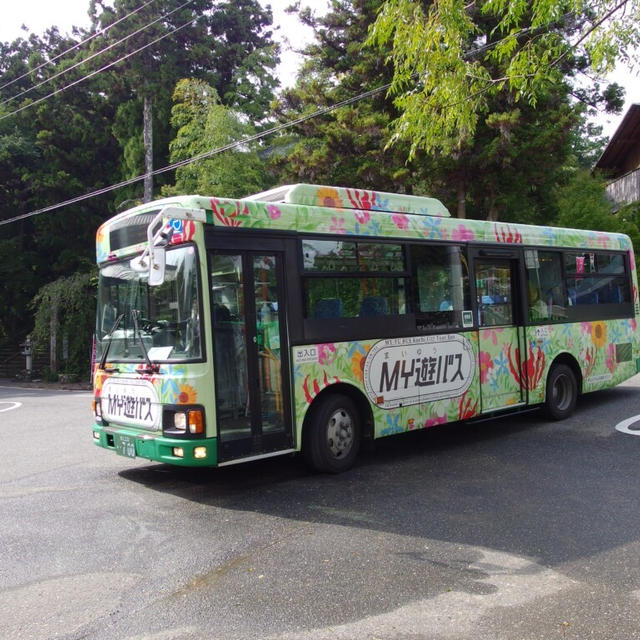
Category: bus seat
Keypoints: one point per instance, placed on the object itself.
(587, 297)
(610, 294)
(328, 308)
(373, 306)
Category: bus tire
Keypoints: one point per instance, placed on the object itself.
(562, 392)
(332, 434)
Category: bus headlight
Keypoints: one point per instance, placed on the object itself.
(180, 421)
(183, 421)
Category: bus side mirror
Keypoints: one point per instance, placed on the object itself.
(153, 264)
(158, 262)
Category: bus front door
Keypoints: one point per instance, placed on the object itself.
(249, 345)
(500, 334)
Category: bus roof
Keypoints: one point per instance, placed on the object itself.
(335, 211)
(345, 198)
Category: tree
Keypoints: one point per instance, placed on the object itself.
(349, 145)
(227, 44)
(203, 124)
(50, 151)
(488, 88)
(65, 317)
(453, 60)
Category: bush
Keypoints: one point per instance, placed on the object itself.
(69, 303)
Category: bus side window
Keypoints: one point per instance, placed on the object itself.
(440, 285)
(546, 297)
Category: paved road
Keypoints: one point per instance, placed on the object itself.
(510, 529)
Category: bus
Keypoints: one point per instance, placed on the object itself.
(314, 318)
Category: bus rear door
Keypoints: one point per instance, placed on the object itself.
(500, 329)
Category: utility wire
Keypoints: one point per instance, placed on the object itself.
(319, 112)
(202, 156)
(96, 72)
(75, 46)
(94, 55)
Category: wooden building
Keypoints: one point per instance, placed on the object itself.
(620, 161)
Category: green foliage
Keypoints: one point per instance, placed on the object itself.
(203, 124)
(347, 147)
(50, 152)
(72, 300)
(90, 136)
(226, 44)
(452, 60)
(582, 204)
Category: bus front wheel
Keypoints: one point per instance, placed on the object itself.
(562, 392)
(332, 434)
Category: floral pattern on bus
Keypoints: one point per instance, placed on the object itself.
(602, 351)
(318, 367)
(173, 384)
(328, 211)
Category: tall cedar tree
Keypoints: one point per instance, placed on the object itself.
(57, 148)
(347, 146)
(229, 45)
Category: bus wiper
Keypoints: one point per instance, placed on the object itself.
(103, 359)
(152, 367)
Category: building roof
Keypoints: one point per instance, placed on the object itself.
(624, 141)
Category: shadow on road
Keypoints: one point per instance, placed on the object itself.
(554, 491)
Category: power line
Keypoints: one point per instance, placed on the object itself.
(75, 46)
(93, 73)
(202, 156)
(94, 55)
(232, 145)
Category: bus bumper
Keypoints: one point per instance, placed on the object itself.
(133, 444)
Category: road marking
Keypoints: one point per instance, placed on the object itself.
(12, 405)
(625, 426)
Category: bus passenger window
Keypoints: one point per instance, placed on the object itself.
(547, 301)
(440, 286)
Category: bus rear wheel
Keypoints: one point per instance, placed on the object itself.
(562, 392)
(332, 434)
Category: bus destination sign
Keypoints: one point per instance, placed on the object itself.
(406, 371)
(132, 402)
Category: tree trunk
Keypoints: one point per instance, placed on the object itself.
(147, 136)
(461, 198)
(492, 213)
(53, 337)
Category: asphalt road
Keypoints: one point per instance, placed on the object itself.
(509, 529)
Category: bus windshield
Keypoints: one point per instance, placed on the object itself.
(167, 316)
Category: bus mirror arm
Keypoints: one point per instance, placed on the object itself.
(153, 258)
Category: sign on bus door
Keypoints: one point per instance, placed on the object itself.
(500, 335)
(249, 348)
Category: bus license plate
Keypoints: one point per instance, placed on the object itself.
(125, 445)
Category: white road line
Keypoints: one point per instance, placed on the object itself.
(12, 405)
(625, 426)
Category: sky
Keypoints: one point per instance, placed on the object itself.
(38, 15)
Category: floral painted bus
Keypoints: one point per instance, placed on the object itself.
(309, 318)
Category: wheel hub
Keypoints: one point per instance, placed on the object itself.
(340, 433)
